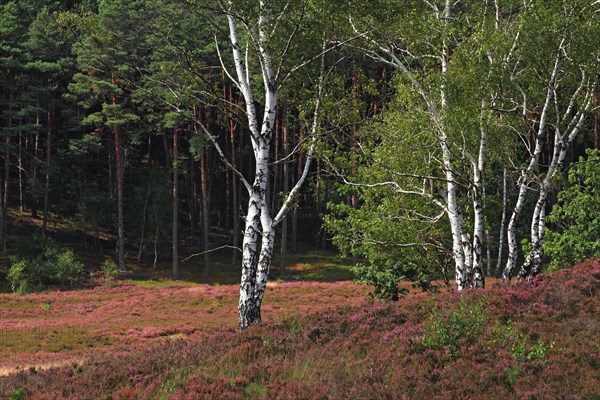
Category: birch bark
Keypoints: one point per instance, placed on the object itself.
(528, 173)
(256, 263)
(436, 109)
(533, 261)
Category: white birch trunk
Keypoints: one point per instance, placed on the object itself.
(462, 260)
(476, 275)
(255, 267)
(251, 286)
(511, 232)
(436, 112)
(533, 261)
(246, 310)
(255, 271)
(529, 172)
(502, 224)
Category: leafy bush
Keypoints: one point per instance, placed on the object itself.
(576, 216)
(459, 326)
(19, 394)
(109, 271)
(508, 337)
(383, 279)
(45, 265)
(390, 235)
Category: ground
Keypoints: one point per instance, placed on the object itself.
(145, 336)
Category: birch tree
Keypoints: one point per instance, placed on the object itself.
(555, 84)
(423, 54)
(260, 29)
(262, 54)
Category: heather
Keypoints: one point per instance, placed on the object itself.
(535, 340)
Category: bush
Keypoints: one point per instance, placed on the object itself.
(508, 337)
(109, 272)
(44, 266)
(383, 279)
(458, 327)
(576, 217)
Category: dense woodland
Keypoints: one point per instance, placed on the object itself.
(426, 139)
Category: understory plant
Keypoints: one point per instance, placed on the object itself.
(455, 328)
(519, 344)
(43, 264)
(575, 219)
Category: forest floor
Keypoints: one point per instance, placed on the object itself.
(144, 336)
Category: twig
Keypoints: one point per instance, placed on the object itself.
(212, 250)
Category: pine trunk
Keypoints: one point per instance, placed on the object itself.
(286, 178)
(20, 168)
(205, 211)
(297, 205)
(234, 191)
(119, 175)
(47, 181)
(175, 237)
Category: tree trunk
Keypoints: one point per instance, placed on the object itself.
(144, 212)
(528, 173)
(596, 144)
(111, 179)
(476, 276)
(297, 205)
(502, 224)
(36, 158)
(234, 185)
(205, 211)
(286, 178)
(255, 272)
(119, 175)
(247, 308)
(175, 205)
(274, 187)
(47, 181)
(456, 220)
(6, 190)
(193, 198)
(20, 167)
(533, 262)
(4, 196)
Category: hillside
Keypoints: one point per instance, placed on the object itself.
(537, 340)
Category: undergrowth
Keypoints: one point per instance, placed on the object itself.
(531, 341)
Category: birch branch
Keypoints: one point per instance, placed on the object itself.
(211, 251)
(292, 194)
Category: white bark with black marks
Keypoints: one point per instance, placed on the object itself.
(562, 142)
(528, 173)
(255, 264)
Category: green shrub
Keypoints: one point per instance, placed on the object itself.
(109, 272)
(19, 394)
(383, 279)
(109, 268)
(459, 326)
(508, 337)
(44, 265)
(575, 219)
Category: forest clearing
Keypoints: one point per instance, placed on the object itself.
(178, 340)
(141, 335)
